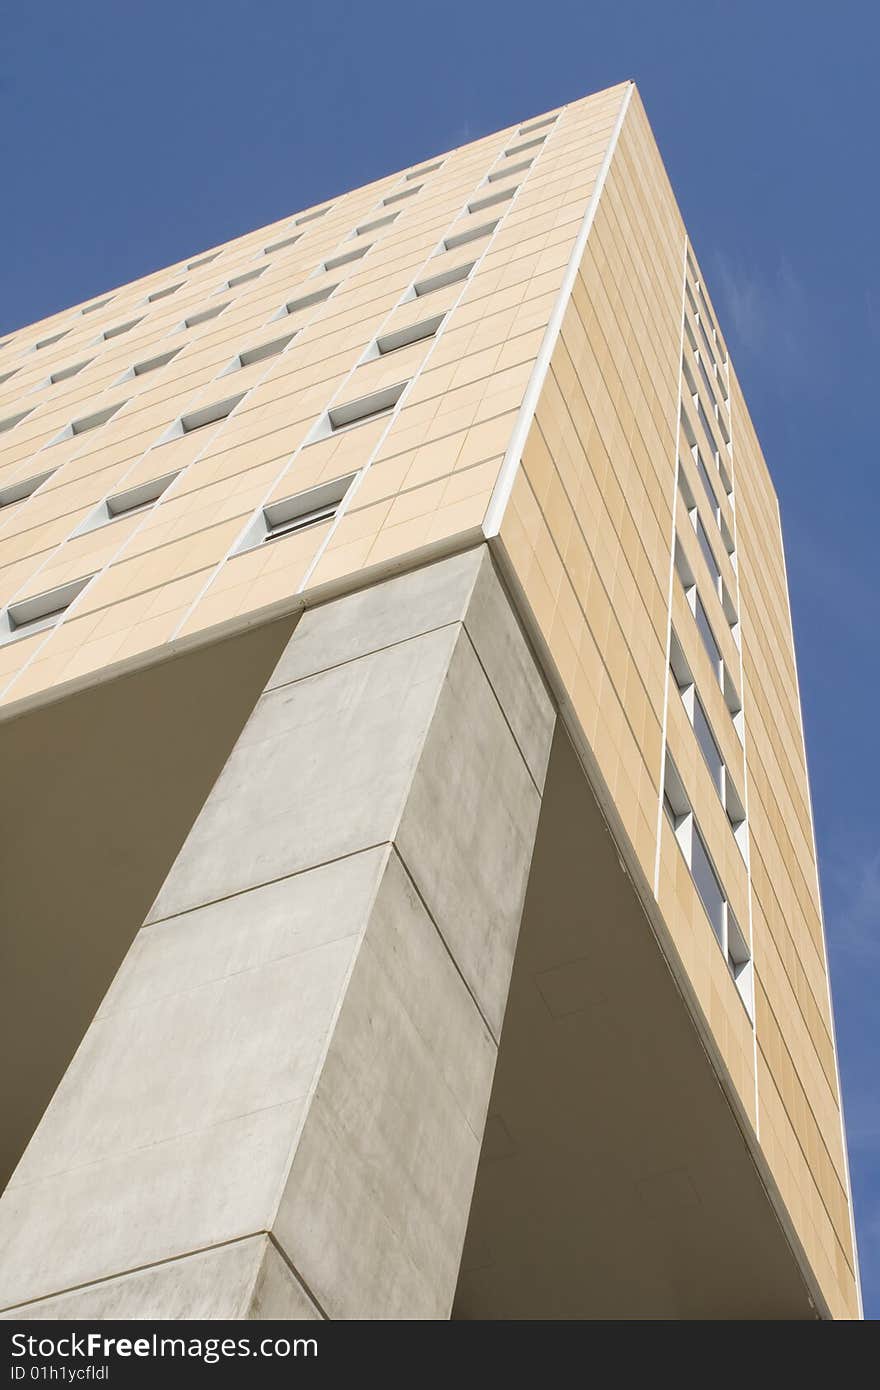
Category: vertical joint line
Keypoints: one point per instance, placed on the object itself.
(507, 473)
(742, 695)
(663, 727)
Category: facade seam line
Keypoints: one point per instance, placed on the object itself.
(742, 696)
(510, 465)
(133, 1269)
(307, 1290)
(664, 721)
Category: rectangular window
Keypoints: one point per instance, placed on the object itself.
(689, 380)
(279, 529)
(163, 294)
(736, 812)
(706, 379)
(425, 169)
(683, 569)
(126, 502)
(708, 554)
(707, 484)
(98, 304)
(245, 276)
(290, 515)
(472, 234)
(366, 407)
(263, 351)
(680, 669)
(707, 885)
(307, 301)
(709, 318)
(397, 197)
(120, 328)
(64, 373)
(710, 351)
(704, 421)
(345, 257)
(686, 491)
(704, 374)
(707, 636)
(507, 171)
(204, 315)
(29, 615)
(526, 145)
(138, 499)
(208, 414)
(733, 702)
(708, 746)
(203, 260)
(7, 376)
(93, 422)
(739, 961)
(286, 525)
(375, 224)
(311, 216)
(26, 487)
(413, 333)
(152, 364)
(47, 342)
(669, 809)
(722, 425)
(282, 244)
(87, 422)
(538, 125)
(675, 802)
(446, 277)
(12, 420)
(722, 389)
(491, 199)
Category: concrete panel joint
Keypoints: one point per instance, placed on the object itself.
(279, 1107)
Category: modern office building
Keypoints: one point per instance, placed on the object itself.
(409, 886)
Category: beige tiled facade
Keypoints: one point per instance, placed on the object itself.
(567, 396)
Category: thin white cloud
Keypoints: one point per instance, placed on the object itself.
(771, 315)
(855, 907)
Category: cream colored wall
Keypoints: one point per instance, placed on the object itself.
(589, 520)
(425, 475)
(588, 535)
(797, 1082)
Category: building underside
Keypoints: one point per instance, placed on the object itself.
(614, 1180)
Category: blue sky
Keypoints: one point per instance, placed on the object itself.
(135, 135)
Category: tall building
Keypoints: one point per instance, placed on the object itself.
(410, 885)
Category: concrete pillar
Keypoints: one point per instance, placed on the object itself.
(278, 1108)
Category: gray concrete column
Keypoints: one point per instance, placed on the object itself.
(278, 1108)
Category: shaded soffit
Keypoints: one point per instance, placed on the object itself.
(614, 1180)
(99, 791)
